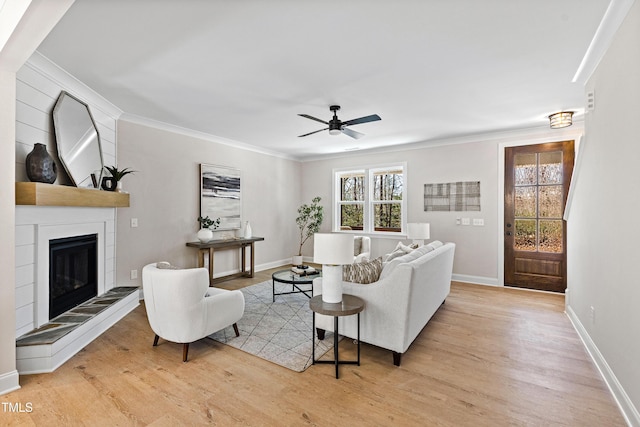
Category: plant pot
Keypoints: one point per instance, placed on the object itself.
(296, 260)
(205, 235)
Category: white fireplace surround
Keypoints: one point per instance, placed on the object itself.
(35, 227)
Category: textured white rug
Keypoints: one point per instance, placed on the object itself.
(279, 331)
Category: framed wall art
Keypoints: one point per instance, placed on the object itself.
(220, 195)
(452, 196)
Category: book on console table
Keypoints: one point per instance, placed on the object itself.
(304, 271)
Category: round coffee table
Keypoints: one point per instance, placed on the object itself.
(295, 280)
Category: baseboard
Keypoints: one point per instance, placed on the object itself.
(629, 411)
(479, 280)
(9, 382)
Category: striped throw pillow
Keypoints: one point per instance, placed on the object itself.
(363, 272)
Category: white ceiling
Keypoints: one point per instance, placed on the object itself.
(243, 70)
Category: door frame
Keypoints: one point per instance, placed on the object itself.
(576, 134)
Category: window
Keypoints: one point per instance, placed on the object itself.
(371, 200)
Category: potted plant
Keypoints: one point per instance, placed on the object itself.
(206, 224)
(309, 221)
(113, 183)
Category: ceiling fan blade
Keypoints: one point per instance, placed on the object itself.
(311, 133)
(313, 118)
(352, 133)
(367, 119)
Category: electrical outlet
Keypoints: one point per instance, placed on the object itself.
(134, 222)
(134, 274)
(592, 314)
(458, 221)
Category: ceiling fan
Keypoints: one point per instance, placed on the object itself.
(337, 127)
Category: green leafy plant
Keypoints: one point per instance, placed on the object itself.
(207, 222)
(118, 174)
(309, 220)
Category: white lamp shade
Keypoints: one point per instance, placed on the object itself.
(332, 248)
(418, 230)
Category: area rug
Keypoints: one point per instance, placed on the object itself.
(279, 331)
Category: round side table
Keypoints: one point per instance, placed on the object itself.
(350, 305)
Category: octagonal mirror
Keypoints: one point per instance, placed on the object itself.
(78, 141)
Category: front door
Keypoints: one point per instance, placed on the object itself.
(537, 180)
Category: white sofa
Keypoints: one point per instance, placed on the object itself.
(409, 291)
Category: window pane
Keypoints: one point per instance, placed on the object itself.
(352, 187)
(550, 169)
(387, 217)
(525, 167)
(351, 216)
(525, 235)
(551, 201)
(387, 185)
(551, 236)
(526, 202)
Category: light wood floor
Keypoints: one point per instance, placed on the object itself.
(488, 357)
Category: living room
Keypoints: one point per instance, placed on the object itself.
(165, 202)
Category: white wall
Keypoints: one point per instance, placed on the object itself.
(476, 253)
(165, 198)
(603, 235)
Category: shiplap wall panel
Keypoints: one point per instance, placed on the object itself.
(39, 84)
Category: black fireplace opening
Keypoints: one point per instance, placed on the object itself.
(73, 272)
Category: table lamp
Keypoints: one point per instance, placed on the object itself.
(418, 232)
(332, 250)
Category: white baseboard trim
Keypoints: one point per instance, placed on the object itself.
(9, 382)
(629, 411)
(478, 280)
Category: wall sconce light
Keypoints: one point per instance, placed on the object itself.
(561, 119)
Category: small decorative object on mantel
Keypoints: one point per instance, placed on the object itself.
(112, 183)
(247, 230)
(206, 234)
(309, 221)
(40, 165)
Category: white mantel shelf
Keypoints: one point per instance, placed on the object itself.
(41, 194)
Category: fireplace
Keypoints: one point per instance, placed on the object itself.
(73, 272)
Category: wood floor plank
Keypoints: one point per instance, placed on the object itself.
(488, 357)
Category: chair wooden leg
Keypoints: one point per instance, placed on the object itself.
(155, 340)
(185, 351)
(235, 329)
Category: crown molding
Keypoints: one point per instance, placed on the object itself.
(43, 65)
(611, 21)
(144, 121)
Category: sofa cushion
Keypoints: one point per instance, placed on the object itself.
(435, 244)
(363, 272)
(411, 256)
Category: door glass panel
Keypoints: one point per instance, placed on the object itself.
(525, 235)
(526, 202)
(550, 201)
(525, 169)
(551, 236)
(550, 170)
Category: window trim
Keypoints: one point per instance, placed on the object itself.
(369, 202)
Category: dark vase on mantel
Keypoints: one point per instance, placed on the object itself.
(40, 165)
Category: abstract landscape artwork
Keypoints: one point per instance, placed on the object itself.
(220, 195)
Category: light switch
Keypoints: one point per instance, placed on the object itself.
(478, 221)
(466, 221)
(134, 222)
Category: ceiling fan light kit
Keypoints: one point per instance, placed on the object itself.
(336, 126)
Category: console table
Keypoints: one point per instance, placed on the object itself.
(209, 248)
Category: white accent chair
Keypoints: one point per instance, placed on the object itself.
(182, 308)
(361, 249)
